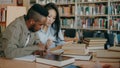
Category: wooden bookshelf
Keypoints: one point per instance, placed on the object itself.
(104, 12)
(66, 11)
(3, 12)
(8, 12)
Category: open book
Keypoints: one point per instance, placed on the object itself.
(50, 59)
(55, 60)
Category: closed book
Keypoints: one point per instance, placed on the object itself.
(114, 49)
(108, 54)
(55, 60)
(106, 60)
(94, 42)
(81, 57)
(76, 49)
(95, 39)
(76, 52)
(74, 46)
(95, 47)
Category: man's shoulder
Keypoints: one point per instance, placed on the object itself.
(18, 22)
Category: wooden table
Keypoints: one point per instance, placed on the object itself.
(8, 63)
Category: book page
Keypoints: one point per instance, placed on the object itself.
(26, 58)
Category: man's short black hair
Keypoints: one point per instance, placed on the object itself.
(36, 11)
(38, 8)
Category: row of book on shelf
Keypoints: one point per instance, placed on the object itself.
(98, 9)
(69, 1)
(66, 10)
(99, 22)
(95, 22)
(55, 1)
(67, 22)
(92, 9)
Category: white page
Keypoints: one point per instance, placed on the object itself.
(26, 58)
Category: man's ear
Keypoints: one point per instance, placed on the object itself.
(32, 21)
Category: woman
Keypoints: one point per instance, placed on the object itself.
(50, 35)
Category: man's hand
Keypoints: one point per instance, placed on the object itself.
(42, 47)
(41, 53)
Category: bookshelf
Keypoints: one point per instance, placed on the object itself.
(67, 11)
(88, 14)
(67, 14)
(101, 16)
(9, 10)
(98, 14)
(114, 15)
(3, 12)
(92, 14)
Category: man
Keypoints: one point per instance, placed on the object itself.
(19, 38)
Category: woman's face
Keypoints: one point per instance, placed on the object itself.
(51, 17)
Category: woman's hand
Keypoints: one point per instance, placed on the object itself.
(49, 43)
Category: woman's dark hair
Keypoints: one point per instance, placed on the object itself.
(56, 24)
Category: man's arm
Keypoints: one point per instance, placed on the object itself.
(11, 45)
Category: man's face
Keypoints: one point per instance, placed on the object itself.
(37, 25)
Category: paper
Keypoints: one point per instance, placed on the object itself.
(26, 58)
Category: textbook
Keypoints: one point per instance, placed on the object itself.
(76, 49)
(106, 59)
(107, 54)
(81, 57)
(55, 60)
(114, 49)
(95, 39)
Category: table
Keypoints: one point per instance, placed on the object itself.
(9, 63)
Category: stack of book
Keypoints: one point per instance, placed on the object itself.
(94, 44)
(78, 51)
(107, 56)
